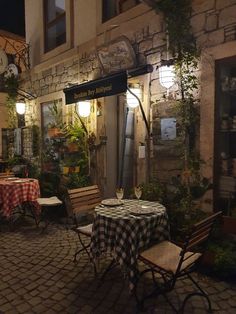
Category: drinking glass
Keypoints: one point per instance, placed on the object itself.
(119, 193)
(138, 192)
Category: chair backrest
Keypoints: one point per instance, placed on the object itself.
(4, 175)
(198, 236)
(84, 199)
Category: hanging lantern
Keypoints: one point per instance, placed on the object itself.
(167, 76)
(20, 107)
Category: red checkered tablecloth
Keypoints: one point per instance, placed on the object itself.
(14, 193)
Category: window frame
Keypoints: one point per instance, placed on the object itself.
(47, 24)
(45, 55)
(118, 5)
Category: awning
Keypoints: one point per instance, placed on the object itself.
(106, 86)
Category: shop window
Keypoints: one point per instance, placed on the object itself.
(54, 23)
(112, 8)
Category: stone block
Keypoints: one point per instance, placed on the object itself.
(156, 24)
(215, 38)
(47, 72)
(227, 16)
(198, 22)
(202, 5)
(159, 40)
(211, 22)
(48, 79)
(154, 58)
(223, 4)
(145, 45)
(60, 69)
(42, 83)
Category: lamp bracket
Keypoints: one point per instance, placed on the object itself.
(142, 111)
(25, 94)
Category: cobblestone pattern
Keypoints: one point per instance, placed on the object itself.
(38, 275)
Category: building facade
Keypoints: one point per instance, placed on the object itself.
(74, 41)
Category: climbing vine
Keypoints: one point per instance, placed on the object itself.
(183, 49)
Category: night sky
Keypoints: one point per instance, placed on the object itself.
(12, 16)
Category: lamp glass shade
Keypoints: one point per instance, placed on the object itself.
(132, 101)
(167, 76)
(83, 108)
(20, 107)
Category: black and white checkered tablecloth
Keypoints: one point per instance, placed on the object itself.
(118, 230)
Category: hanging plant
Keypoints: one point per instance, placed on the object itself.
(11, 84)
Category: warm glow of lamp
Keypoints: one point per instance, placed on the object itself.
(132, 101)
(20, 107)
(83, 108)
(167, 75)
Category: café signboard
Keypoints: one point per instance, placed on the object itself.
(107, 86)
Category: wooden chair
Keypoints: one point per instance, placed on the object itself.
(83, 200)
(171, 262)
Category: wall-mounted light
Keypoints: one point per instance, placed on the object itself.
(132, 96)
(20, 107)
(83, 108)
(167, 75)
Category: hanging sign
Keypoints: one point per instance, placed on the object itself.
(3, 61)
(117, 55)
(107, 86)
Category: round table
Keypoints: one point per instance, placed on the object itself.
(14, 192)
(118, 230)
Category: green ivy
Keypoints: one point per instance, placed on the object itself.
(11, 84)
(182, 47)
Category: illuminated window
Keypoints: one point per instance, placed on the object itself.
(54, 23)
(112, 8)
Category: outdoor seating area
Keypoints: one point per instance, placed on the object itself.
(38, 275)
(124, 239)
(118, 157)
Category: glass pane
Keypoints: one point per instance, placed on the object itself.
(111, 8)
(54, 9)
(56, 34)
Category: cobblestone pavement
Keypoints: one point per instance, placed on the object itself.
(38, 275)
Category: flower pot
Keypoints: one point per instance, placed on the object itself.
(53, 132)
(72, 147)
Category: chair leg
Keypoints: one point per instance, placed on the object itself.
(202, 293)
(85, 248)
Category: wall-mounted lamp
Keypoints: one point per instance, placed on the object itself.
(132, 101)
(166, 75)
(20, 107)
(83, 108)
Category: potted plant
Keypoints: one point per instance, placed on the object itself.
(76, 137)
(56, 126)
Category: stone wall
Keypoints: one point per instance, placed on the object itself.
(213, 22)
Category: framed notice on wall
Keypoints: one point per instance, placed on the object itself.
(168, 129)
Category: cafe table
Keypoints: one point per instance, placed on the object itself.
(125, 229)
(15, 192)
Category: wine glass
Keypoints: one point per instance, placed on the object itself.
(138, 192)
(119, 193)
